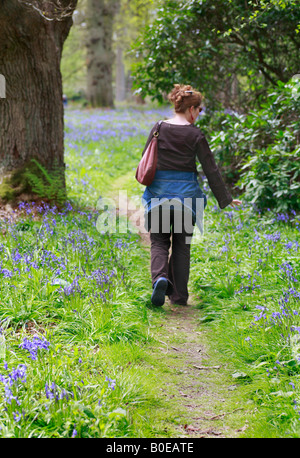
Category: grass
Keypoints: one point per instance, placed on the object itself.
(83, 357)
(246, 276)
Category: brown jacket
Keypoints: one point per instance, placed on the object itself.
(179, 146)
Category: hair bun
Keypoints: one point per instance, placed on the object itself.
(174, 95)
(184, 96)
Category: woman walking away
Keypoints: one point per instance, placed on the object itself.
(174, 199)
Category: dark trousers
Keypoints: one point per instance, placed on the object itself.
(176, 267)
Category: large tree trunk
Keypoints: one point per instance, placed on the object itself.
(100, 58)
(31, 115)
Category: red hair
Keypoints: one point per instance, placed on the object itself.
(183, 97)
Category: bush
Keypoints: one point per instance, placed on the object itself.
(259, 152)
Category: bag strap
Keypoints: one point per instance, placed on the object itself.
(156, 132)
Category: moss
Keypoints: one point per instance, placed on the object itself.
(6, 191)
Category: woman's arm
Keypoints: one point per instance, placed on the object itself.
(212, 173)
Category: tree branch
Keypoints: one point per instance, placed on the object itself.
(256, 51)
(55, 10)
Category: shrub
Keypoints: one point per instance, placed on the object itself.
(259, 152)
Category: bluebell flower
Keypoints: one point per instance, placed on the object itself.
(34, 345)
(17, 416)
(11, 380)
(111, 383)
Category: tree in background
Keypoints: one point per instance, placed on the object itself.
(32, 34)
(100, 16)
(127, 23)
(220, 47)
(73, 62)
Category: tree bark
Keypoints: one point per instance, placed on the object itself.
(100, 57)
(31, 115)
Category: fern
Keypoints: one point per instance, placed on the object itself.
(47, 184)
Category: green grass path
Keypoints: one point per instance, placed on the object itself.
(194, 392)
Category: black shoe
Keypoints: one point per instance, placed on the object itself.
(159, 292)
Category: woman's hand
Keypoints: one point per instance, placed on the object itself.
(235, 203)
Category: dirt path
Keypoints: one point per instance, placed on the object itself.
(192, 377)
(199, 385)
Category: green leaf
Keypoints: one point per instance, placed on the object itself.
(117, 413)
(88, 412)
(240, 376)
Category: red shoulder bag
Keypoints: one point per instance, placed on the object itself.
(147, 165)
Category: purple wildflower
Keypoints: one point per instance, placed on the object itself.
(17, 416)
(34, 345)
(11, 380)
(111, 383)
